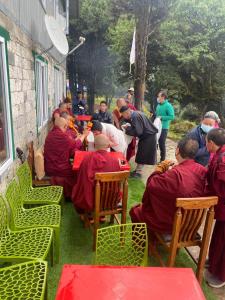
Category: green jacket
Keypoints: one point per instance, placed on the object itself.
(166, 112)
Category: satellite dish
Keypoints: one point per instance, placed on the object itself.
(56, 35)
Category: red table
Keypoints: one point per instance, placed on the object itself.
(127, 283)
(83, 118)
(79, 156)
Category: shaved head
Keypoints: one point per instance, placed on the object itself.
(121, 102)
(63, 107)
(61, 123)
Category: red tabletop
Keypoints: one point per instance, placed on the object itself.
(83, 118)
(79, 156)
(127, 283)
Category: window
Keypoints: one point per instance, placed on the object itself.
(41, 77)
(58, 86)
(6, 153)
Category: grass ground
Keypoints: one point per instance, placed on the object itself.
(76, 243)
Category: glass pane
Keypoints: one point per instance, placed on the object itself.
(4, 146)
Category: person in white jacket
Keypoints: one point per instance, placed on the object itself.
(116, 136)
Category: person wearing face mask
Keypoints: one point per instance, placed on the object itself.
(199, 134)
(168, 182)
(165, 112)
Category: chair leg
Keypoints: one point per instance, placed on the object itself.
(46, 291)
(56, 244)
(52, 253)
(172, 257)
(111, 219)
(62, 204)
(153, 251)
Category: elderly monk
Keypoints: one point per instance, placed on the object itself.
(166, 183)
(58, 150)
(117, 117)
(95, 162)
(56, 113)
(72, 129)
(215, 143)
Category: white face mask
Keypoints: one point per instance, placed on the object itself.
(158, 100)
(206, 128)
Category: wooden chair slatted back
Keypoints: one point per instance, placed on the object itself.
(109, 189)
(190, 215)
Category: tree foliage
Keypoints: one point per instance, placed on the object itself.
(186, 48)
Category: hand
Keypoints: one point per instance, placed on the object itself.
(164, 166)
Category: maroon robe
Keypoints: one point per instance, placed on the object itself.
(216, 186)
(159, 200)
(83, 191)
(58, 150)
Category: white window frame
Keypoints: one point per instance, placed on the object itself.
(44, 3)
(41, 96)
(58, 86)
(9, 161)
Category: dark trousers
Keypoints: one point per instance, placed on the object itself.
(162, 144)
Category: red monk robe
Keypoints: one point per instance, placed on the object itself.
(158, 203)
(216, 186)
(83, 191)
(58, 150)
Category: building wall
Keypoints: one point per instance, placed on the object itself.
(22, 88)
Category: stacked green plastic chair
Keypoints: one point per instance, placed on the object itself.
(42, 216)
(38, 195)
(23, 281)
(23, 245)
(122, 245)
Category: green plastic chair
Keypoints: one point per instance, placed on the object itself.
(122, 245)
(38, 195)
(23, 245)
(23, 281)
(42, 216)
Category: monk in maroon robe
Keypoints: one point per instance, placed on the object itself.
(95, 162)
(56, 113)
(187, 179)
(215, 143)
(58, 150)
(117, 117)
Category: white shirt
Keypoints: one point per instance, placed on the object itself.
(116, 137)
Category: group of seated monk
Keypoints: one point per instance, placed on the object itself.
(186, 178)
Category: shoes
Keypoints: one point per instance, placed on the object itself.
(135, 175)
(213, 281)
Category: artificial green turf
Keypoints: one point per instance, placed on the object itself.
(76, 243)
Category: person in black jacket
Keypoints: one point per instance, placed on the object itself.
(142, 127)
(199, 134)
(103, 115)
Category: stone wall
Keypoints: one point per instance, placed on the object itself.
(22, 87)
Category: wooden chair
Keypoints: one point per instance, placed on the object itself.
(111, 193)
(190, 214)
(30, 159)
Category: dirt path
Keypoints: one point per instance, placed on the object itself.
(171, 146)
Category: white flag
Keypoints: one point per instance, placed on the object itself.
(132, 52)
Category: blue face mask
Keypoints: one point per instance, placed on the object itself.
(206, 128)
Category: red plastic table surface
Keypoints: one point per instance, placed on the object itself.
(83, 118)
(127, 283)
(79, 156)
